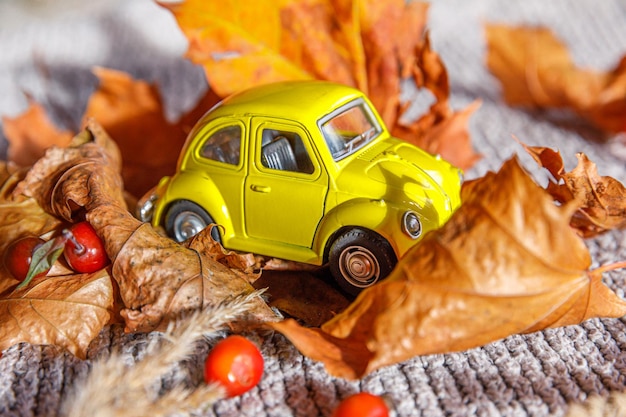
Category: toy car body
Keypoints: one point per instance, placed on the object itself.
(305, 171)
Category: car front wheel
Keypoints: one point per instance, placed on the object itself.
(359, 258)
(185, 219)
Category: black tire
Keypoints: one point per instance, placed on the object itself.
(359, 258)
(185, 219)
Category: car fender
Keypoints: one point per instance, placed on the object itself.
(206, 195)
(378, 216)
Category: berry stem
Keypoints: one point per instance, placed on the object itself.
(78, 247)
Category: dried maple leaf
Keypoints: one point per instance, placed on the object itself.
(391, 35)
(131, 111)
(601, 199)
(30, 134)
(368, 44)
(67, 311)
(536, 70)
(507, 262)
(441, 130)
(292, 287)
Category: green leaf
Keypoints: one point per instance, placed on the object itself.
(43, 258)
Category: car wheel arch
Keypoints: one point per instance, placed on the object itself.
(345, 229)
(182, 202)
(342, 218)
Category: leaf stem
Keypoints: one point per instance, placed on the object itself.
(610, 267)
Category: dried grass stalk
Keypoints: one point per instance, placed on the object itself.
(597, 406)
(114, 389)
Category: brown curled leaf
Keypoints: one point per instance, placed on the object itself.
(53, 181)
(158, 278)
(601, 199)
(244, 263)
(505, 263)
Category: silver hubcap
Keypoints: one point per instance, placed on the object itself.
(187, 224)
(359, 266)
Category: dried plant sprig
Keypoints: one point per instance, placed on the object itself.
(114, 389)
(597, 406)
(184, 401)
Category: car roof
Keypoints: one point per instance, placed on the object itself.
(296, 100)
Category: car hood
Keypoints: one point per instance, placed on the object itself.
(399, 172)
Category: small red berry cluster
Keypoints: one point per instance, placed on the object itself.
(31, 256)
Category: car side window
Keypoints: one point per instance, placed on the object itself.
(285, 151)
(223, 145)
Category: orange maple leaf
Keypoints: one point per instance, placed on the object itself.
(30, 134)
(536, 70)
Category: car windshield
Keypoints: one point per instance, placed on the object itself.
(349, 129)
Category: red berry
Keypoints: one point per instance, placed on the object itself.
(19, 255)
(84, 251)
(235, 363)
(362, 404)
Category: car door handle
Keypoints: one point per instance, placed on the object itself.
(261, 188)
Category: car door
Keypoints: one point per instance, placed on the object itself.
(286, 185)
(219, 172)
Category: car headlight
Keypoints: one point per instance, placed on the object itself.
(411, 224)
(145, 206)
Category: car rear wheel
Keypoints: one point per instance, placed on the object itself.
(359, 258)
(185, 219)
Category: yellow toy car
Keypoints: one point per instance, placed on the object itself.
(305, 171)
